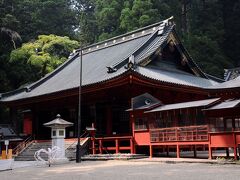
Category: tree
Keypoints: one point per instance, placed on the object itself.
(205, 40)
(31, 18)
(107, 14)
(87, 32)
(231, 43)
(9, 37)
(141, 13)
(36, 59)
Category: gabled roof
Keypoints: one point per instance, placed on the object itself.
(231, 74)
(7, 133)
(234, 83)
(143, 102)
(112, 58)
(225, 105)
(190, 104)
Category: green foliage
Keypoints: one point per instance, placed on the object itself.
(31, 18)
(141, 13)
(207, 54)
(44, 55)
(87, 31)
(231, 45)
(206, 38)
(107, 14)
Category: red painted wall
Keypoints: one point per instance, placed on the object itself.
(27, 124)
(238, 138)
(222, 140)
(142, 137)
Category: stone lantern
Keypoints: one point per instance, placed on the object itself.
(58, 133)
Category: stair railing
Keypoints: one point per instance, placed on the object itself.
(84, 135)
(23, 145)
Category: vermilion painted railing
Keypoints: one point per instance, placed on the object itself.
(187, 133)
(98, 144)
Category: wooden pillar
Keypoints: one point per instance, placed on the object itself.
(117, 146)
(178, 151)
(13, 118)
(100, 146)
(151, 151)
(109, 120)
(209, 152)
(227, 152)
(235, 146)
(132, 122)
(36, 122)
(239, 150)
(132, 146)
(194, 151)
(167, 150)
(235, 152)
(93, 146)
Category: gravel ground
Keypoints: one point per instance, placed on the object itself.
(116, 170)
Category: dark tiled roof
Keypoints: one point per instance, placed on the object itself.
(107, 60)
(231, 73)
(174, 77)
(235, 83)
(225, 105)
(190, 104)
(144, 101)
(7, 133)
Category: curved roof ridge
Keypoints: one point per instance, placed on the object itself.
(124, 37)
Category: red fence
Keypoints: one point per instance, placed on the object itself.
(115, 144)
(188, 133)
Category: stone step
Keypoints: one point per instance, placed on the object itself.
(120, 156)
(28, 153)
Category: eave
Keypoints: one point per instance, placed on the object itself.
(129, 77)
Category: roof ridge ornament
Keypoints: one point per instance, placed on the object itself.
(28, 89)
(111, 69)
(164, 25)
(131, 62)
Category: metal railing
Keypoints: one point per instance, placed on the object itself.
(23, 145)
(187, 133)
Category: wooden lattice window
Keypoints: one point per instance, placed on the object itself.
(141, 123)
(237, 123)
